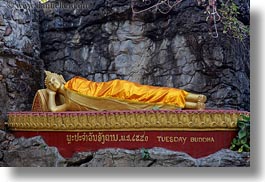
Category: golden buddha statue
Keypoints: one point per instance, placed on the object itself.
(80, 94)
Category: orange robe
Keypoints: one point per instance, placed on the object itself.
(129, 92)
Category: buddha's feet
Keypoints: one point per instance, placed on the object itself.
(195, 105)
(196, 98)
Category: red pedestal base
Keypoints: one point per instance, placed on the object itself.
(195, 143)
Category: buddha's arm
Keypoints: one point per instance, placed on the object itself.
(52, 104)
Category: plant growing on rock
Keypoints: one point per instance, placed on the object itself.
(145, 154)
(216, 10)
(231, 25)
(241, 142)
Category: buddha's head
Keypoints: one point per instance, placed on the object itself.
(53, 81)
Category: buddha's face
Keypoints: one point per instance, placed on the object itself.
(53, 83)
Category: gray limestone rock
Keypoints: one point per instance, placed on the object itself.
(160, 157)
(226, 158)
(32, 152)
(174, 50)
(20, 64)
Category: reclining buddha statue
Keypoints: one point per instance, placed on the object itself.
(80, 94)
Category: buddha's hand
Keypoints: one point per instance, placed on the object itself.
(50, 92)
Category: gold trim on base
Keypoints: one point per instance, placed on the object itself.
(125, 121)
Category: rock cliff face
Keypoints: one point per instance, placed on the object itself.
(20, 65)
(106, 41)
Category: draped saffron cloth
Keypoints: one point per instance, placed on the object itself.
(128, 92)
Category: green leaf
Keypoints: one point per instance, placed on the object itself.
(241, 134)
(240, 149)
(243, 141)
(246, 147)
(240, 124)
(44, 1)
(234, 141)
(245, 118)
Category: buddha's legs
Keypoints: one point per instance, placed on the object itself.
(194, 105)
(196, 98)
